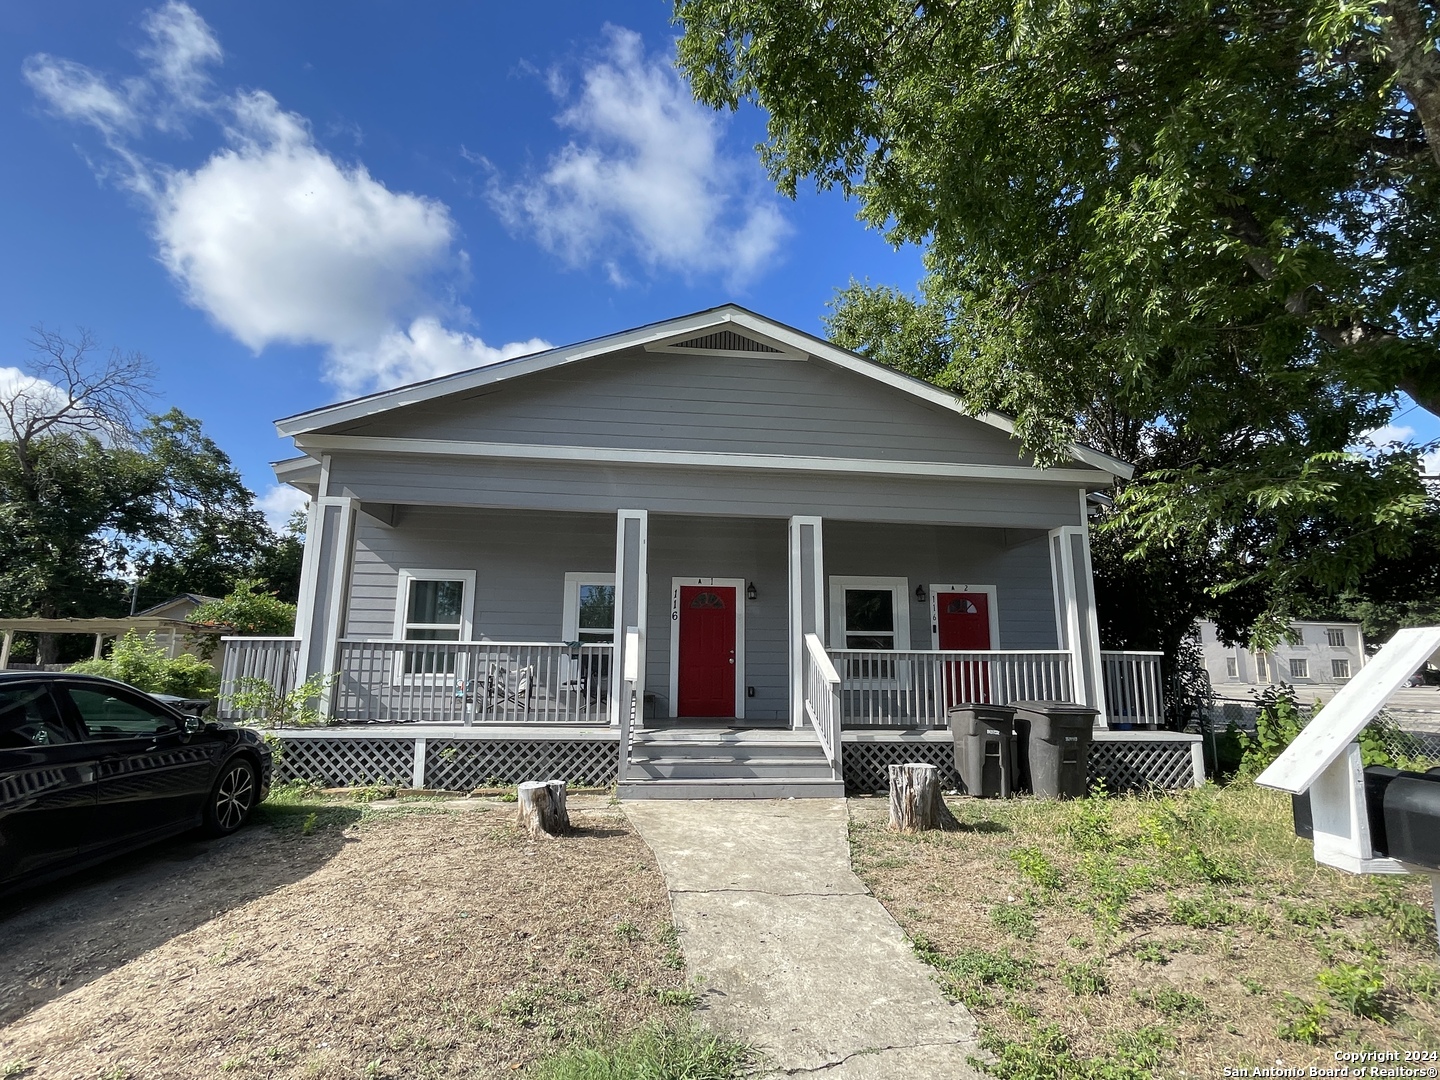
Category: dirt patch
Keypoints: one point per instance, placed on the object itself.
(1161, 936)
(341, 941)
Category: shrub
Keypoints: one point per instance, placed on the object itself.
(143, 664)
(245, 611)
(1278, 720)
(268, 706)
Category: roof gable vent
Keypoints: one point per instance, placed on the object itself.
(726, 341)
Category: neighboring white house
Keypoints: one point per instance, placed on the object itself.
(1313, 654)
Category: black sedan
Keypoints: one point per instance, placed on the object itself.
(90, 767)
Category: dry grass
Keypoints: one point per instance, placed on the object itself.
(337, 940)
(1133, 937)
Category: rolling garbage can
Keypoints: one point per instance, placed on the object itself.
(984, 749)
(1053, 740)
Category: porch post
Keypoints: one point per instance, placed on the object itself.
(807, 603)
(325, 578)
(1077, 623)
(632, 540)
(5, 643)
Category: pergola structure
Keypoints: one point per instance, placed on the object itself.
(170, 632)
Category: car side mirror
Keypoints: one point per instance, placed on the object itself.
(194, 725)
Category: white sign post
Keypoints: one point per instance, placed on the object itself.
(1324, 760)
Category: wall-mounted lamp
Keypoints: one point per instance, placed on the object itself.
(919, 594)
(750, 593)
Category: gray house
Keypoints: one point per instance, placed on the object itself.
(730, 547)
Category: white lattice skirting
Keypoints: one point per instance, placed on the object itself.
(441, 759)
(1126, 761)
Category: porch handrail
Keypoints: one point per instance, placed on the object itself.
(916, 687)
(822, 701)
(634, 639)
(275, 660)
(472, 682)
(1134, 689)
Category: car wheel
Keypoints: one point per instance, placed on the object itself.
(232, 798)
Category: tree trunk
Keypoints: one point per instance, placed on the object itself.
(915, 802)
(542, 808)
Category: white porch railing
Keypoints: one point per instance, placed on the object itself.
(274, 659)
(822, 701)
(914, 688)
(481, 682)
(1134, 693)
(634, 642)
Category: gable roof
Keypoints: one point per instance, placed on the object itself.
(725, 330)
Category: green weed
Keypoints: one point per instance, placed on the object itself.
(1083, 979)
(1356, 987)
(1017, 919)
(1174, 1003)
(627, 931)
(1046, 1055)
(684, 1051)
(1150, 953)
(1035, 866)
(1305, 1022)
(1205, 912)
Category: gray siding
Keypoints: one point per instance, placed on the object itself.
(600, 488)
(704, 403)
(521, 559)
(520, 562)
(1016, 562)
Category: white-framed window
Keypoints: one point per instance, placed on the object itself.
(1295, 636)
(1299, 667)
(869, 613)
(1335, 636)
(589, 614)
(1340, 669)
(1262, 670)
(435, 606)
(1232, 667)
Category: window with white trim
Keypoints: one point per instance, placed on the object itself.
(1299, 668)
(589, 614)
(869, 613)
(437, 606)
(1232, 667)
(1335, 637)
(1340, 669)
(1262, 670)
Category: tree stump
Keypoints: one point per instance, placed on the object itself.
(915, 802)
(542, 808)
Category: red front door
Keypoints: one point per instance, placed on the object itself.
(706, 682)
(962, 622)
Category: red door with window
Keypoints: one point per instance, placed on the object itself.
(706, 682)
(962, 622)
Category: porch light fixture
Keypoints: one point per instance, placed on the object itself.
(750, 593)
(919, 594)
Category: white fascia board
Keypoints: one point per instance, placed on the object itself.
(1338, 723)
(297, 471)
(843, 358)
(695, 459)
(496, 373)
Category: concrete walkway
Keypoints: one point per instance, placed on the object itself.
(789, 950)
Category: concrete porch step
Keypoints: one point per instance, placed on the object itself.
(722, 767)
(732, 789)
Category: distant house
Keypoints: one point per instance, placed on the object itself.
(177, 608)
(1314, 654)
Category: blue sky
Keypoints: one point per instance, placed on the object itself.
(284, 204)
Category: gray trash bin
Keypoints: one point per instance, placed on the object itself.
(984, 749)
(1053, 739)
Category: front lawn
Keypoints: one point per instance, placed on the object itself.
(1142, 936)
(339, 937)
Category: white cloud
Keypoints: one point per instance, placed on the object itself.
(1390, 433)
(644, 176)
(278, 242)
(279, 502)
(423, 351)
(272, 237)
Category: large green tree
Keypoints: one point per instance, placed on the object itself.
(94, 491)
(1202, 236)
